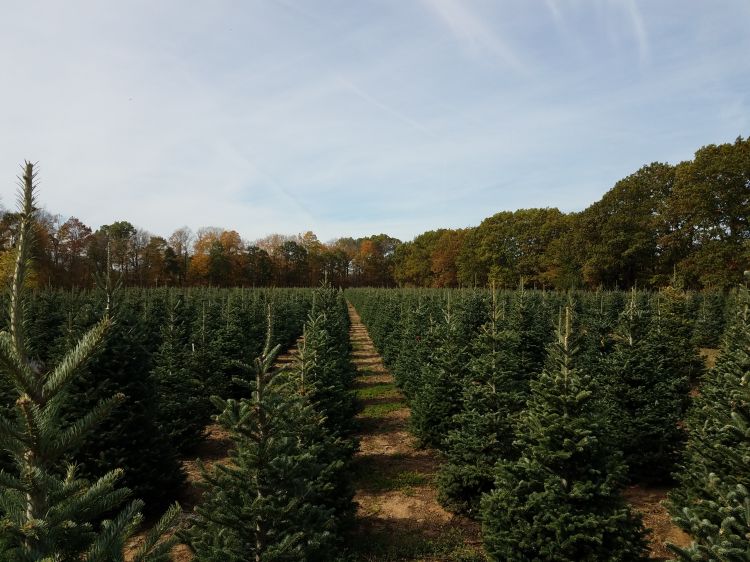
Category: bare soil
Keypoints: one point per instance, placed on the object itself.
(709, 355)
(400, 522)
(647, 501)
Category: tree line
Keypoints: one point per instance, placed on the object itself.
(682, 225)
(685, 225)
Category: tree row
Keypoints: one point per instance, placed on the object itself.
(544, 406)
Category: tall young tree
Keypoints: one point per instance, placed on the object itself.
(648, 379)
(180, 395)
(270, 502)
(437, 397)
(331, 380)
(560, 500)
(494, 392)
(50, 514)
(129, 439)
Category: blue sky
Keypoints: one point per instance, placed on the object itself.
(353, 117)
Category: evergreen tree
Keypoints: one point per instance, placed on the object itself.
(270, 502)
(437, 397)
(208, 363)
(530, 317)
(413, 349)
(495, 391)
(710, 319)
(130, 438)
(560, 500)
(329, 379)
(649, 377)
(712, 502)
(49, 513)
(337, 444)
(598, 322)
(179, 394)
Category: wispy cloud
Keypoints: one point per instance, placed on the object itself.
(554, 10)
(360, 93)
(639, 28)
(470, 30)
(349, 118)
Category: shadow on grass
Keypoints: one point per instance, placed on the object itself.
(382, 544)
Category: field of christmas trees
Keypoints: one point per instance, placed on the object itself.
(530, 415)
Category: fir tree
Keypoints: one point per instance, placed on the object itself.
(329, 379)
(560, 501)
(531, 320)
(649, 377)
(208, 363)
(413, 349)
(338, 446)
(130, 438)
(711, 502)
(598, 322)
(270, 502)
(710, 319)
(179, 394)
(437, 398)
(494, 393)
(49, 513)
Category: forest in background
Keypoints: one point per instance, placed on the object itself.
(684, 225)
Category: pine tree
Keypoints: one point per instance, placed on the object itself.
(270, 502)
(49, 513)
(560, 501)
(712, 502)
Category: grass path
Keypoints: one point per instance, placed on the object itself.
(398, 515)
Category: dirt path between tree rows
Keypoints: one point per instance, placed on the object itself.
(398, 515)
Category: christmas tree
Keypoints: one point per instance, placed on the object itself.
(711, 502)
(270, 502)
(648, 379)
(49, 512)
(560, 500)
(180, 396)
(495, 391)
(437, 397)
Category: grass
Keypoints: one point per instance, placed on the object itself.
(405, 481)
(385, 546)
(377, 391)
(368, 370)
(381, 410)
